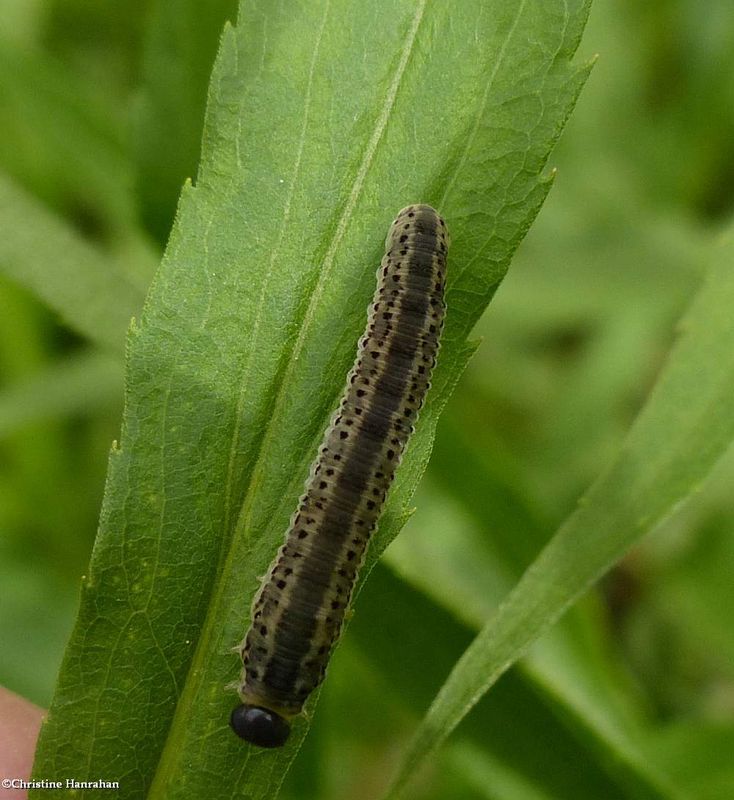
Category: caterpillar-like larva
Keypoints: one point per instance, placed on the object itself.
(298, 611)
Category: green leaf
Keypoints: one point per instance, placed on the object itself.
(698, 755)
(75, 279)
(684, 428)
(33, 599)
(21, 21)
(323, 121)
(505, 726)
(468, 573)
(62, 139)
(181, 43)
(492, 778)
(79, 384)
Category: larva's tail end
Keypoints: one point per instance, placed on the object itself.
(259, 726)
(421, 217)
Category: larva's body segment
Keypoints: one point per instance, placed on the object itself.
(298, 612)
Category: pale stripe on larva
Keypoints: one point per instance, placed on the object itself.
(298, 611)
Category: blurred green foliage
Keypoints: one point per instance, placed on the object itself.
(571, 346)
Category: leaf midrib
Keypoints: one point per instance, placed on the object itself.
(169, 753)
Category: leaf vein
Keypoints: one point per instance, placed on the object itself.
(329, 258)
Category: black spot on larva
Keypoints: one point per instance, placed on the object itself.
(292, 644)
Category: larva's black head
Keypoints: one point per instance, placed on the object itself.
(259, 726)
